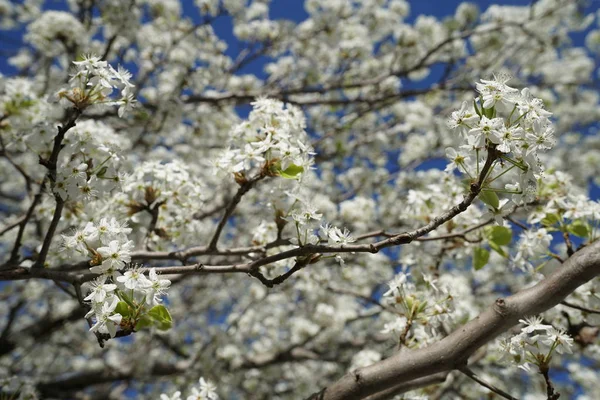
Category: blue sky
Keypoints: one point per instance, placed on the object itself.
(280, 9)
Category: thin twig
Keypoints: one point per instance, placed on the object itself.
(10, 227)
(570, 249)
(50, 234)
(517, 223)
(51, 165)
(552, 395)
(468, 372)
(281, 278)
(244, 188)
(14, 256)
(580, 308)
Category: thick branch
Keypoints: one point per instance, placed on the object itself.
(453, 351)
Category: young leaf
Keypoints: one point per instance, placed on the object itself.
(143, 323)
(123, 309)
(498, 249)
(488, 112)
(480, 258)
(291, 172)
(500, 235)
(578, 228)
(162, 318)
(489, 198)
(550, 219)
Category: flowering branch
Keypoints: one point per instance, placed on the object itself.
(50, 164)
(453, 351)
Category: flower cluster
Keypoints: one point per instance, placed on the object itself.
(306, 216)
(272, 140)
(335, 236)
(130, 300)
(94, 81)
(535, 344)
(169, 191)
(91, 158)
(506, 127)
(566, 209)
(105, 242)
(419, 308)
(532, 245)
(56, 31)
(22, 108)
(206, 390)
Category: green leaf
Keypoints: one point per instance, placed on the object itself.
(480, 258)
(123, 309)
(500, 235)
(143, 323)
(291, 172)
(489, 198)
(422, 307)
(125, 297)
(550, 219)
(578, 228)
(162, 318)
(102, 172)
(488, 112)
(498, 249)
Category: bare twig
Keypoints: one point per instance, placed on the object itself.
(569, 243)
(580, 308)
(14, 256)
(51, 165)
(550, 392)
(468, 372)
(244, 188)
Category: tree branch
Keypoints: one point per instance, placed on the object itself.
(244, 188)
(468, 372)
(452, 351)
(580, 308)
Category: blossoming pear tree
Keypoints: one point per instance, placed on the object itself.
(359, 204)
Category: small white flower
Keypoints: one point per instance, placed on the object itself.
(115, 255)
(560, 339)
(396, 284)
(104, 319)
(207, 391)
(174, 396)
(398, 326)
(157, 288)
(457, 159)
(100, 289)
(134, 279)
(534, 324)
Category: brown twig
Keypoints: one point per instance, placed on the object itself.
(468, 372)
(580, 308)
(244, 188)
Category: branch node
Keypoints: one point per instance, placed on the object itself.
(500, 306)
